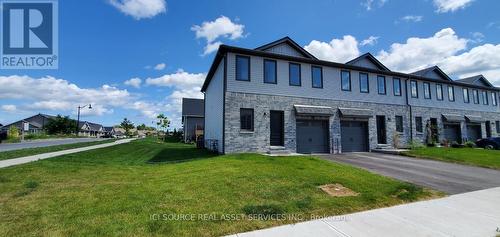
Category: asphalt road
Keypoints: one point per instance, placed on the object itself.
(447, 177)
(44, 143)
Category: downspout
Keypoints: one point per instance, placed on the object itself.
(409, 106)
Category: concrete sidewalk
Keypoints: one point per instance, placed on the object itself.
(468, 214)
(26, 159)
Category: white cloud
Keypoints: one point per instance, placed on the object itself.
(412, 18)
(221, 27)
(134, 82)
(483, 59)
(418, 53)
(8, 108)
(477, 37)
(160, 66)
(372, 40)
(337, 50)
(369, 4)
(451, 5)
(49, 93)
(140, 9)
(179, 79)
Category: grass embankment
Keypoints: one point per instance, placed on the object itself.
(467, 156)
(118, 191)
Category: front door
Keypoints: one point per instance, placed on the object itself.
(488, 129)
(381, 130)
(277, 128)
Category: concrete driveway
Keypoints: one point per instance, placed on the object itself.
(44, 143)
(447, 177)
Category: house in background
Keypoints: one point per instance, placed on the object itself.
(37, 123)
(193, 122)
(88, 129)
(280, 98)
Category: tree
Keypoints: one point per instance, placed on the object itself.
(60, 125)
(127, 125)
(142, 127)
(13, 132)
(163, 122)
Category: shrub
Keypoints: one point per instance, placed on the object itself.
(455, 144)
(31, 184)
(408, 192)
(13, 133)
(416, 145)
(470, 144)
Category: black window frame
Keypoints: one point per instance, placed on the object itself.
(394, 79)
(475, 95)
(466, 95)
(342, 80)
(399, 127)
(236, 67)
(494, 99)
(427, 86)
(411, 89)
(243, 126)
(497, 125)
(453, 93)
(275, 71)
(419, 126)
(439, 92)
(485, 97)
(378, 86)
(312, 76)
(290, 74)
(367, 83)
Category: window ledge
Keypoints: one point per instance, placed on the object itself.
(246, 131)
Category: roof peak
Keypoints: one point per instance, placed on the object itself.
(290, 42)
(370, 57)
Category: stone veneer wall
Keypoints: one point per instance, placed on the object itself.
(258, 140)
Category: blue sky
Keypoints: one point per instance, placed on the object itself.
(136, 58)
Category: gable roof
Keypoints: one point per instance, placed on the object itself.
(371, 58)
(286, 40)
(474, 79)
(193, 107)
(427, 71)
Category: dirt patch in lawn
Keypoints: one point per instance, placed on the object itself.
(337, 190)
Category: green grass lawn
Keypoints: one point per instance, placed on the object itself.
(39, 150)
(468, 156)
(118, 191)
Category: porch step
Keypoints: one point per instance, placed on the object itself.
(278, 150)
(384, 146)
(390, 151)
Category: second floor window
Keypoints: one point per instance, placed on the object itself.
(414, 89)
(494, 99)
(294, 70)
(345, 77)
(399, 123)
(475, 96)
(439, 92)
(317, 77)
(451, 93)
(242, 68)
(396, 86)
(427, 90)
(485, 97)
(246, 119)
(418, 124)
(270, 72)
(381, 85)
(364, 85)
(466, 95)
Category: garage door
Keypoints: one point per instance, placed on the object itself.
(354, 136)
(473, 132)
(452, 132)
(312, 136)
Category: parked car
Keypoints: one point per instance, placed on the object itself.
(489, 143)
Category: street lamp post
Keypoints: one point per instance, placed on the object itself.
(78, 120)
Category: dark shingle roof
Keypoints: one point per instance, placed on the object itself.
(424, 72)
(370, 57)
(473, 79)
(193, 107)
